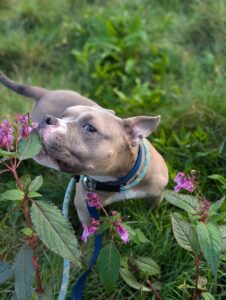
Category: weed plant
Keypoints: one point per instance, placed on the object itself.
(137, 57)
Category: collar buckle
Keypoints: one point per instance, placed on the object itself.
(88, 183)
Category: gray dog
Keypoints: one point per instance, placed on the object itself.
(111, 155)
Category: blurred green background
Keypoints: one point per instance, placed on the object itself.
(138, 57)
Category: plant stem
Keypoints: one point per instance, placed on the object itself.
(149, 283)
(31, 239)
(155, 292)
(197, 264)
(13, 170)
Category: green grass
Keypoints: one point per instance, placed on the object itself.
(136, 57)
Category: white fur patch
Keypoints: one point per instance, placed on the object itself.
(130, 194)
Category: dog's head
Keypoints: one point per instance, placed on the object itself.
(90, 140)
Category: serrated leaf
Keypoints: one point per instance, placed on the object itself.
(7, 153)
(13, 194)
(210, 243)
(25, 180)
(6, 271)
(131, 281)
(108, 265)
(216, 205)
(36, 184)
(147, 265)
(24, 273)
(184, 233)
(222, 229)
(34, 194)
(186, 202)
(29, 147)
(207, 296)
(54, 230)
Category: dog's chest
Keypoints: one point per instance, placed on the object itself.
(130, 194)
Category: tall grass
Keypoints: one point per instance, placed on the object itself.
(136, 57)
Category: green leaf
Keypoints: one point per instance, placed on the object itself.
(24, 273)
(109, 265)
(147, 265)
(185, 202)
(25, 180)
(34, 194)
(218, 177)
(219, 217)
(136, 235)
(131, 281)
(13, 194)
(202, 282)
(141, 238)
(6, 271)
(184, 233)
(29, 147)
(36, 184)
(7, 153)
(216, 205)
(27, 231)
(102, 228)
(54, 230)
(223, 257)
(207, 296)
(210, 243)
(222, 229)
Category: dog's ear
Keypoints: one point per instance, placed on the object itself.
(139, 127)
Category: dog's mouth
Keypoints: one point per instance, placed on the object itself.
(44, 157)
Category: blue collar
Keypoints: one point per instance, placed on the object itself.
(120, 184)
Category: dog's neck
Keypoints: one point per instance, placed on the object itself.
(124, 166)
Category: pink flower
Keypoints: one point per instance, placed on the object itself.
(123, 233)
(85, 233)
(94, 200)
(26, 124)
(114, 213)
(117, 222)
(184, 182)
(6, 135)
(205, 205)
(89, 230)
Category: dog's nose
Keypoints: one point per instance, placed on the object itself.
(48, 120)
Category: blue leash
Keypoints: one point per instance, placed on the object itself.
(79, 286)
(77, 291)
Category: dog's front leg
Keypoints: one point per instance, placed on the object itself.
(81, 205)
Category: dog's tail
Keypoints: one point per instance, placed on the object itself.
(28, 91)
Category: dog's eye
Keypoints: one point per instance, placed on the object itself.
(89, 128)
